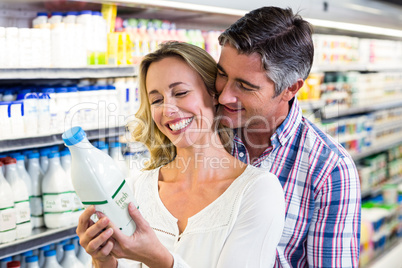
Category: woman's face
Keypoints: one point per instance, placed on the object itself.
(180, 104)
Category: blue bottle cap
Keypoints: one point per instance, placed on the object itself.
(65, 152)
(73, 136)
(47, 247)
(40, 14)
(27, 253)
(49, 253)
(33, 155)
(30, 259)
(7, 259)
(69, 247)
(53, 155)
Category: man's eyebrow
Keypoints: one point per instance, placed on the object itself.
(239, 79)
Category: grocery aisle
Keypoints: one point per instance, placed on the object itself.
(52, 62)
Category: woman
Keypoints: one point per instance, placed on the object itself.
(200, 207)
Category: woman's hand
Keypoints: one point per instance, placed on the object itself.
(143, 245)
(95, 240)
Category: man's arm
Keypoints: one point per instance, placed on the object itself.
(334, 234)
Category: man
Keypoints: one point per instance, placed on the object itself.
(265, 58)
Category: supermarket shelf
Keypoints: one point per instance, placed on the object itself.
(377, 148)
(332, 112)
(391, 257)
(375, 191)
(311, 104)
(355, 67)
(55, 139)
(68, 73)
(40, 237)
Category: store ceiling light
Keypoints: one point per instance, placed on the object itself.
(364, 9)
(238, 13)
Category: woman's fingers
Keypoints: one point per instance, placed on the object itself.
(99, 242)
(84, 220)
(136, 216)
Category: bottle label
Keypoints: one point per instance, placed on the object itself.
(77, 205)
(7, 219)
(57, 202)
(36, 206)
(23, 213)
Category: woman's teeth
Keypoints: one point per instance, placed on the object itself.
(181, 124)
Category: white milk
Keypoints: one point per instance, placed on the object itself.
(32, 262)
(70, 260)
(56, 194)
(41, 256)
(50, 260)
(26, 178)
(21, 198)
(36, 203)
(7, 211)
(85, 258)
(98, 180)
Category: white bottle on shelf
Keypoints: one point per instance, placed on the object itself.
(17, 119)
(36, 175)
(85, 258)
(21, 198)
(32, 262)
(70, 37)
(100, 37)
(57, 195)
(58, 40)
(41, 255)
(85, 19)
(24, 255)
(25, 48)
(98, 180)
(5, 121)
(12, 57)
(40, 21)
(2, 48)
(43, 113)
(44, 160)
(50, 260)
(70, 260)
(76, 242)
(60, 250)
(7, 211)
(3, 262)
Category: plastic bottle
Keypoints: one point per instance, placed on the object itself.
(17, 119)
(62, 108)
(70, 260)
(13, 264)
(50, 259)
(24, 255)
(30, 100)
(12, 57)
(98, 180)
(21, 198)
(36, 43)
(60, 250)
(53, 109)
(117, 155)
(7, 211)
(2, 47)
(58, 39)
(44, 160)
(85, 19)
(4, 261)
(32, 262)
(36, 203)
(25, 48)
(41, 256)
(57, 195)
(100, 32)
(40, 21)
(76, 242)
(43, 113)
(5, 121)
(84, 258)
(71, 48)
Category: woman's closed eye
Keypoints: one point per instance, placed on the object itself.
(156, 101)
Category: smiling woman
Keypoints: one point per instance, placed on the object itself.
(200, 206)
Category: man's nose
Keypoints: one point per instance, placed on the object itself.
(227, 95)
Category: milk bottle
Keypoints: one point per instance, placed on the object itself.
(98, 180)
(85, 258)
(70, 260)
(41, 256)
(36, 175)
(50, 260)
(7, 211)
(21, 198)
(24, 176)
(56, 194)
(32, 262)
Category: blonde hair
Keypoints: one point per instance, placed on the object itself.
(161, 149)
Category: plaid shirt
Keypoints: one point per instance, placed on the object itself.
(322, 194)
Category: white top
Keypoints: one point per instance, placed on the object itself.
(241, 228)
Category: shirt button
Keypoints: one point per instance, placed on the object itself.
(241, 154)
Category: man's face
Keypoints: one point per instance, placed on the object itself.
(246, 93)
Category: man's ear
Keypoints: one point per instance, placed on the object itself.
(291, 91)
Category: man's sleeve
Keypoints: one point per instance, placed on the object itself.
(334, 234)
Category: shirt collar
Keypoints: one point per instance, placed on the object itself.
(286, 130)
(288, 127)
